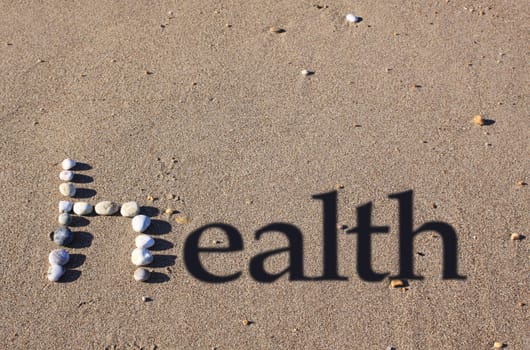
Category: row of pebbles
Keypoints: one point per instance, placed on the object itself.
(63, 236)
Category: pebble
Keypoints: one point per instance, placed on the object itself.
(67, 189)
(130, 209)
(68, 164)
(276, 30)
(516, 237)
(478, 120)
(182, 219)
(58, 257)
(140, 223)
(63, 236)
(64, 219)
(498, 345)
(144, 241)
(83, 208)
(521, 183)
(169, 211)
(141, 274)
(107, 208)
(65, 206)
(397, 283)
(55, 272)
(141, 257)
(307, 72)
(352, 18)
(66, 175)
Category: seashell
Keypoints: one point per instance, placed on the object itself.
(66, 175)
(55, 272)
(67, 189)
(64, 219)
(106, 208)
(141, 274)
(144, 241)
(68, 164)
(63, 236)
(130, 209)
(352, 18)
(65, 206)
(140, 223)
(83, 208)
(141, 256)
(58, 257)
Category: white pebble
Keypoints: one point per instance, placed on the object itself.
(141, 257)
(352, 18)
(66, 175)
(67, 189)
(140, 223)
(55, 272)
(82, 208)
(130, 209)
(307, 72)
(64, 219)
(65, 206)
(58, 257)
(144, 241)
(141, 274)
(68, 164)
(106, 208)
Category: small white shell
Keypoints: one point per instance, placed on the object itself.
(58, 257)
(65, 206)
(307, 72)
(130, 209)
(68, 164)
(82, 208)
(67, 189)
(55, 272)
(141, 256)
(141, 274)
(106, 208)
(352, 18)
(140, 223)
(66, 175)
(144, 241)
(64, 219)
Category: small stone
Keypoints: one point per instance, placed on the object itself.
(168, 211)
(498, 345)
(516, 237)
(339, 186)
(248, 201)
(63, 236)
(65, 206)
(140, 223)
(150, 198)
(521, 183)
(352, 18)
(67, 189)
(130, 209)
(83, 208)
(246, 322)
(141, 257)
(58, 257)
(276, 30)
(144, 241)
(68, 164)
(307, 72)
(397, 283)
(478, 120)
(55, 272)
(64, 219)
(66, 175)
(107, 208)
(521, 304)
(434, 205)
(146, 299)
(182, 219)
(141, 274)
(341, 227)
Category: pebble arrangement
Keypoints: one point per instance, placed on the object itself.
(63, 236)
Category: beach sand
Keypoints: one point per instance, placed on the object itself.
(206, 110)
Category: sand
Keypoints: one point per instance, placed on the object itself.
(211, 107)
